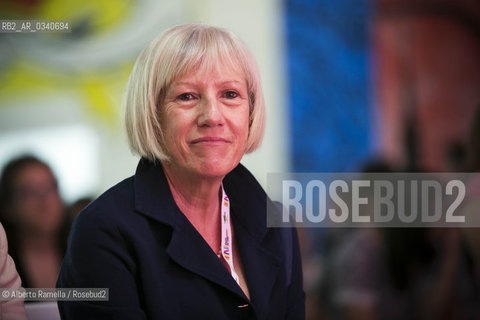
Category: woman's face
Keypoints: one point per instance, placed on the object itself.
(205, 118)
(37, 206)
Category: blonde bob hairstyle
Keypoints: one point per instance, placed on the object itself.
(173, 54)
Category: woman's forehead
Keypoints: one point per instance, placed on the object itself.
(218, 72)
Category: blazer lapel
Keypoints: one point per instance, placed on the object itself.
(261, 269)
(248, 210)
(191, 251)
(187, 247)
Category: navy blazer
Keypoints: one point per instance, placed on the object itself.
(135, 241)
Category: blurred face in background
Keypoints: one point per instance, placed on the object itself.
(36, 204)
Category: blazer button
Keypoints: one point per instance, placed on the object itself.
(245, 312)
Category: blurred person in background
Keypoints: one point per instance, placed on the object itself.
(401, 273)
(9, 279)
(76, 207)
(32, 212)
(186, 236)
(73, 209)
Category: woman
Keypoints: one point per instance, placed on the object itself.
(186, 237)
(9, 309)
(33, 215)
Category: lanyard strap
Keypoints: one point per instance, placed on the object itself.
(227, 250)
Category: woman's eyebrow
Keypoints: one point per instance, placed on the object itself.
(182, 83)
(171, 88)
(231, 82)
(194, 84)
(234, 83)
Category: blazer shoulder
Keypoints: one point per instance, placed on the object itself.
(240, 172)
(115, 202)
(242, 181)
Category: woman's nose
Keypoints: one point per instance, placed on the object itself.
(210, 112)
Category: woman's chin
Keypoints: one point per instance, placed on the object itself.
(213, 172)
(215, 169)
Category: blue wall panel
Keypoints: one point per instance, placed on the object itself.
(330, 116)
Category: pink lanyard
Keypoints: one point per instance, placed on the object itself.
(226, 249)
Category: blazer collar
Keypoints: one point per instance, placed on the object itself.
(248, 203)
(152, 193)
(187, 247)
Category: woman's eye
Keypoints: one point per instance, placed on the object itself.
(230, 94)
(186, 97)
